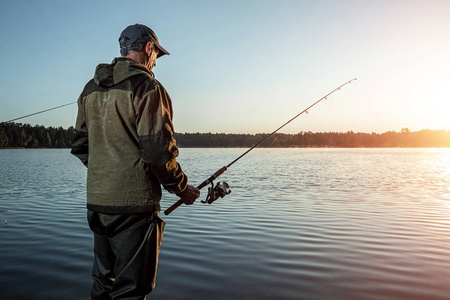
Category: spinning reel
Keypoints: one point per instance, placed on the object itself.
(214, 192)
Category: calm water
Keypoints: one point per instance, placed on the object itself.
(299, 224)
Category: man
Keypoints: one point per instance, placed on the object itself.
(124, 135)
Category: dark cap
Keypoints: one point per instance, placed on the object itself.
(139, 33)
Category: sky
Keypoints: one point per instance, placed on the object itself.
(245, 66)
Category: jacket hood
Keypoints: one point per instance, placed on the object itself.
(121, 68)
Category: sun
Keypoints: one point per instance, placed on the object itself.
(440, 103)
(432, 101)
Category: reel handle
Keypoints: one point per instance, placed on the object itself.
(202, 185)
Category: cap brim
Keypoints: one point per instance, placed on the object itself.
(162, 51)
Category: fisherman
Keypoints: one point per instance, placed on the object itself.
(124, 136)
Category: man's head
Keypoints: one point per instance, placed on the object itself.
(141, 43)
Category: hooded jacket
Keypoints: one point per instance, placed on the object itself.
(124, 135)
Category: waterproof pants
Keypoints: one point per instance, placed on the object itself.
(126, 251)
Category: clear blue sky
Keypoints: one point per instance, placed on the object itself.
(241, 66)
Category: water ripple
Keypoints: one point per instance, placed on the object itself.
(299, 224)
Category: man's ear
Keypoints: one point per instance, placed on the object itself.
(148, 48)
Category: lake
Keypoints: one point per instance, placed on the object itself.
(298, 224)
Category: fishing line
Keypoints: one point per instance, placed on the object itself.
(222, 189)
(276, 138)
(39, 112)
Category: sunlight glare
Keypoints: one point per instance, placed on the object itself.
(441, 104)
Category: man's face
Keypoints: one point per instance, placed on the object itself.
(152, 57)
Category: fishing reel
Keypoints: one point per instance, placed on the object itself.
(214, 192)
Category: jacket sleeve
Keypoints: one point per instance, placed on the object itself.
(156, 143)
(80, 146)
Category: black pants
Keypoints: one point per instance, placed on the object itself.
(126, 251)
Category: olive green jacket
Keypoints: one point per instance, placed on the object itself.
(124, 135)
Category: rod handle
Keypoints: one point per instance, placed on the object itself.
(173, 207)
(202, 185)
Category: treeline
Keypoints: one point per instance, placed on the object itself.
(18, 135)
(405, 138)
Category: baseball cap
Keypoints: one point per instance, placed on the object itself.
(139, 33)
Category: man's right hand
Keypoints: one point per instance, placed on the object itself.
(191, 195)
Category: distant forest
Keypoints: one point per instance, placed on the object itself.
(18, 135)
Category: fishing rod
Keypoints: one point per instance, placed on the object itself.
(222, 188)
(39, 112)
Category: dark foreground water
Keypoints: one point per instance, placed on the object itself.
(299, 224)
